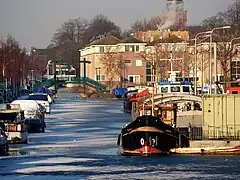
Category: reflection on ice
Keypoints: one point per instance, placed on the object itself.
(59, 160)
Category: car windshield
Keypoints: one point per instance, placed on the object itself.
(38, 97)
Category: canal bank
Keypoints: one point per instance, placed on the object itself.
(80, 143)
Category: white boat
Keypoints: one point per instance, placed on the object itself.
(41, 98)
(33, 113)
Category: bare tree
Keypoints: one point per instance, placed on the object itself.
(231, 16)
(159, 57)
(146, 24)
(98, 26)
(226, 51)
(15, 67)
(70, 32)
(113, 64)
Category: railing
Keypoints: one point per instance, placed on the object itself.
(229, 132)
(223, 132)
(90, 82)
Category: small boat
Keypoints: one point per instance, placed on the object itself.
(34, 114)
(3, 140)
(119, 92)
(15, 126)
(127, 103)
(132, 96)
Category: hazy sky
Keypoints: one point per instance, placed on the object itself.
(33, 22)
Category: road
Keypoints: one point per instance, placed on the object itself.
(80, 143)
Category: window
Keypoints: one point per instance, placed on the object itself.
(101, 49)
(137, 79)
(131, 79)
(234, 92)
(164, 89)
(132, 48)
(149, 72)
(148, 65)
(134, 79)
(148, 78)
(127, 63)
(38, 97)
(98, 78)
(175, 89)
(127, 48)
(186, 89)
(102, 77)
(138, 62)
(137, 48)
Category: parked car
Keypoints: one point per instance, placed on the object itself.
(34, 114)
(41, 98)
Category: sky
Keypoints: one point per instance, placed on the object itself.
(33, 22)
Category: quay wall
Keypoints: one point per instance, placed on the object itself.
(213, 143)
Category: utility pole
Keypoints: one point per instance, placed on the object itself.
(79, 66)
(32, 80)
(84, 73)
(55, 75)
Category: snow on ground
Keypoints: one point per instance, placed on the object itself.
(80, 143)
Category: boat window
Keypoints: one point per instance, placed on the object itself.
(234, 92)
(38, 97)
(164, 89)
(175, 89)
(186, 89)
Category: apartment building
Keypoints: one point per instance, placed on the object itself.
(102, 52)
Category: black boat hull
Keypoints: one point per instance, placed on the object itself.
(147, 136)
(147, 143)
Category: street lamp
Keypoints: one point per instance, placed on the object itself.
(201, 34)
(215, 61)
(32, 79)
(48, 73)
(3, 74)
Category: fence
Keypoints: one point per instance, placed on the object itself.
(229, 132)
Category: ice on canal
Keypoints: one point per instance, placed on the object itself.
(80, 143)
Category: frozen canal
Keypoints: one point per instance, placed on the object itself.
(80, 143)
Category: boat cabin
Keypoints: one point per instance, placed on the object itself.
(168, 114)
(182, 87)
(13, 119)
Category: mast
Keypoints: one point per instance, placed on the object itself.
(153, 99)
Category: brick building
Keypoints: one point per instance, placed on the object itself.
(127, 51)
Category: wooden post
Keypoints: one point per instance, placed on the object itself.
(84, 73)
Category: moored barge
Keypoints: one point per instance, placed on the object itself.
(149, 134)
